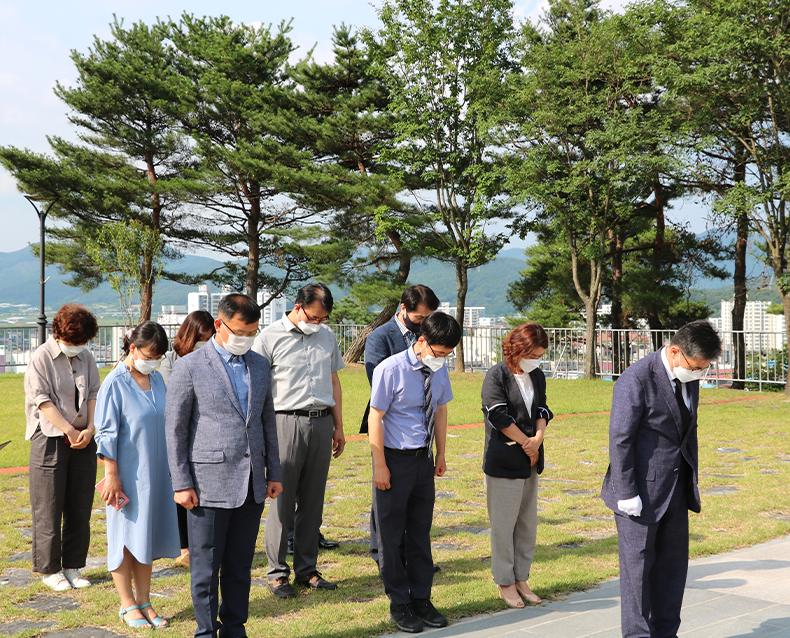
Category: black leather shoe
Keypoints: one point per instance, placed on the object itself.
(405, 618)
(314, 581)
(325, 544)
(281, 588)
(426, 612)
(290, 546)
(436, 568)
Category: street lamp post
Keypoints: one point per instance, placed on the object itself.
(42, 318)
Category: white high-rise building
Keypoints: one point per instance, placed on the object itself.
(206, 298)
(762, 331)
(274, 311)
(472, 314)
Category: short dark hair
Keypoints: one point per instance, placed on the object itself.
(237, 303)
(198, 326)
(311, 293)
(418, 294)
(148, 334)
(440, 329)
(698, 340)
(75, 324)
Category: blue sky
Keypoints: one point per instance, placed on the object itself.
(37, 36)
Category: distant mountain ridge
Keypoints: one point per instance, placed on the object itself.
(19, 282)
(487, 284)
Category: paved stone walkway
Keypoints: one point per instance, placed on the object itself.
(740, 594)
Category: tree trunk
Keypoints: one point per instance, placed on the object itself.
(357, 347)
(591, 306)
(652, 315)
(739, 283)
(253, 242)
(147, 288)
(462, 285)
(616, 245)
(786, 307)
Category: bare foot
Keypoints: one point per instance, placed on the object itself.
(529, 595)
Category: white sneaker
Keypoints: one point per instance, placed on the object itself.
(76, 579)
(56, 582)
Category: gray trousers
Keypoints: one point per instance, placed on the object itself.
(513, 512)
(305, 454)
(61, 491)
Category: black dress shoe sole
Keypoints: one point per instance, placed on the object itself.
(328, 587)
(328, 545)
(407, 628)
(434, 624)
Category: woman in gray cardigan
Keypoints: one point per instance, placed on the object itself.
(194, 333)
(516, 415)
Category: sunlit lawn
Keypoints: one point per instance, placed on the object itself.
(743, 447)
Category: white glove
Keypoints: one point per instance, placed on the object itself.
(631, 506)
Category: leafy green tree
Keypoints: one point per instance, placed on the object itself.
(129, 166)
(347, 124)
(743, 56)
(584, 136)
(240, 112)
(129, 255)
(350, 310)
(445, 62)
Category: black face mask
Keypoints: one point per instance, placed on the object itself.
(416, 328)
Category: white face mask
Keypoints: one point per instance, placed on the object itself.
(308, 328)
(432, 362)
(146, 366)
(71, 351)
(239, 345)
(685, 376)
(198, 345)
(528, 365)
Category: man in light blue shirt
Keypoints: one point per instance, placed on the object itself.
(408, 412)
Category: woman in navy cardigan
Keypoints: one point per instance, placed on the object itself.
(516, 415)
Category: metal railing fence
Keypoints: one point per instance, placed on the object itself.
(765, 352)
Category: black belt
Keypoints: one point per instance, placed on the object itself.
(420, 451)
(313, 414)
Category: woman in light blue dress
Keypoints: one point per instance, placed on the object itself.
(130, 424)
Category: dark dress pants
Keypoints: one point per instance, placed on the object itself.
(653, 566)
(407, 507)
(62, 483)
(221, 549)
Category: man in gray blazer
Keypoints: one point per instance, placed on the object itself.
(652, 478)
(224, 461)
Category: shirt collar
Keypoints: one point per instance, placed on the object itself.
(224, 354)
(665, 361)
(413, 360)
(53, 347)
(289, 325)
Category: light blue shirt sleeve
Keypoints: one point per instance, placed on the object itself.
(107, 420)
(382, 389)
(444, 392)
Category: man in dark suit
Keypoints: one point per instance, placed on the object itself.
(224, 461)
(652, 478)
(400, 332)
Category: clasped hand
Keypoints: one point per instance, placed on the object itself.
(531, 448)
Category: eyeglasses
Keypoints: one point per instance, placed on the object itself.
(682, 354)
(142, 356)
(240, 334)
(318, 320)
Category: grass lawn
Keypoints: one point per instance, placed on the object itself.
(745, 468)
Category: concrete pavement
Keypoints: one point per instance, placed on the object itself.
(740, 594)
